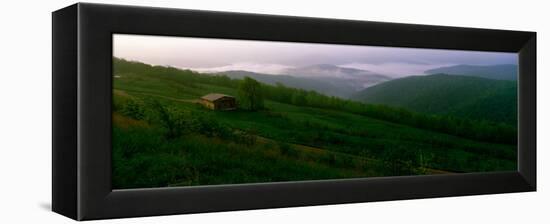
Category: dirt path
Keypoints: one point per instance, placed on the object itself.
(124, 93)
(353, 158)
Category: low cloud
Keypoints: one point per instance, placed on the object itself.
(274, 69)
(395, 69)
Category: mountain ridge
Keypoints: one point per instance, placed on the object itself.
(498, 72)
(330, 88)
(323, 78)
(361, 78)
(443, 94)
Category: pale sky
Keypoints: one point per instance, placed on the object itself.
(273, 57)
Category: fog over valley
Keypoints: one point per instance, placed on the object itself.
(270, 57)
(333, 69)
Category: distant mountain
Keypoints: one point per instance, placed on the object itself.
(462, 96)
(339, 88)
(357, 78)
(326, 79)
(500, 72)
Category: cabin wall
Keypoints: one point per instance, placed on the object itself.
(208, 104)
(226, 104)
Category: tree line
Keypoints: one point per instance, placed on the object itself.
(473, 129)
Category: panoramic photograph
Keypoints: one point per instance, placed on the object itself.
(203, 111)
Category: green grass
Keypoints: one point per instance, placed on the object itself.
(283, 142)
(198, 160)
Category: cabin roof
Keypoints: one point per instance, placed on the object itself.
(214, 96)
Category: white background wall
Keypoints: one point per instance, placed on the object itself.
(25, 114)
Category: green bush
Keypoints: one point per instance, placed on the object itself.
(133, 109)
(287, 149)
(209, 126)
(329, 159)
(244, 138)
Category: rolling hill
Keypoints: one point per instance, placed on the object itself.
(499, 72)
(328, 86)
(358, 79)
(324, 78)
(161, 137)
(462, 96)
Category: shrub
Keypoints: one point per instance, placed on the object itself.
(244, 138)
(133, 109)
(287, 149)
(174, 121)
(209, 126)
(329, 159)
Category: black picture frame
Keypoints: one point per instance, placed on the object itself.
(82, 95)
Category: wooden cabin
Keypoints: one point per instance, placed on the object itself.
(217, 101)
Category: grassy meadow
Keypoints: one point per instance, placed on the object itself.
(163, 137)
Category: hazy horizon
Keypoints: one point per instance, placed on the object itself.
(274, 57)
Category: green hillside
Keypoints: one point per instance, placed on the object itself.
(332, 87)
(498, 72)
(461, 96)
(163, 137)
